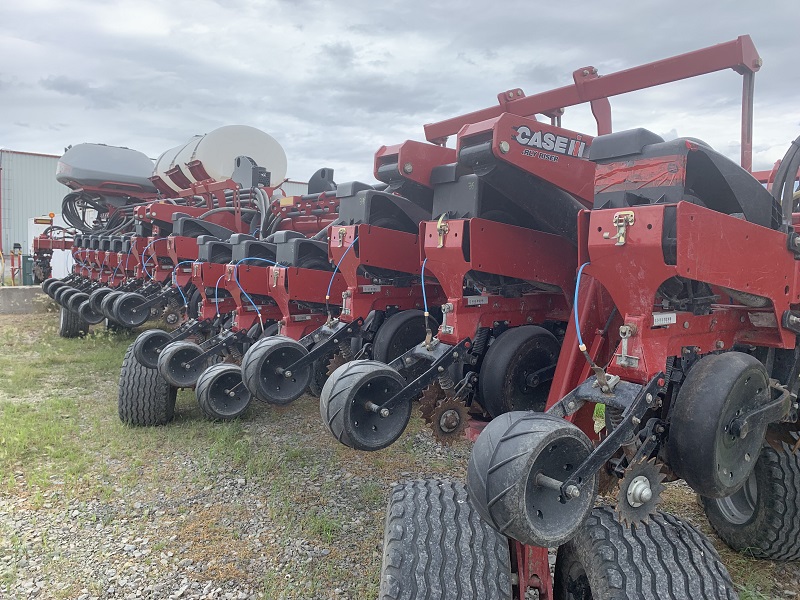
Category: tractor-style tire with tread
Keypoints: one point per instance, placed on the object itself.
(666, 559)
(144, 397)
(762, 518)
(71, 325)
(436, 547)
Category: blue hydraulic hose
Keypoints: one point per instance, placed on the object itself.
(175, 281)
(575, 308)
(246, 295)
(335, 270)
(144, 253)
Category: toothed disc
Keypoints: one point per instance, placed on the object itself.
(448, 421)
(640, 492)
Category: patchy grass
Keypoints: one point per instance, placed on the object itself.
(59, 430)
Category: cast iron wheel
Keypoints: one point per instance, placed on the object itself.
(221, 393)
(54, 287)
(144, 397)
(510, 362)
(762, 518)
(263, 370)
(178, 366)
(503, 477)
(75, 300)
(436, 547)
(127, 312)
(148, 346)
(70, 324)
(668, 559)
(702, 448)
(343, 408)
(107, 304)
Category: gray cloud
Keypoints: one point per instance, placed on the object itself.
(334, 81)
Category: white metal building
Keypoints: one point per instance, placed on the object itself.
(28, 188)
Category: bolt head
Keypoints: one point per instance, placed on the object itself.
(287, 374)
(505, 147)
(573, 491)
(408, 167)
(384, 412)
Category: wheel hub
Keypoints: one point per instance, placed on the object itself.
(639, 491)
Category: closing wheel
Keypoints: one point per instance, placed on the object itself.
(75, 300)
(436, 547)
(668, 559)
(148, 345)
(220, 392)
(512, 376)
(320, 374)
(178, 366)
(107, 304)
(264, 370)
(70, 324)
(762, 518)
(515, 471)
(127, 311)
(144, 398)
(345, 405)
(703, 447)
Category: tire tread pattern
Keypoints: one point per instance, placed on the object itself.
(144, 397)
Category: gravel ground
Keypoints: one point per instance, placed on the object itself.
(267, 507)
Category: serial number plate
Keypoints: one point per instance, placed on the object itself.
(370, 289)
(660, 319)
(477, 300)
(301, 318)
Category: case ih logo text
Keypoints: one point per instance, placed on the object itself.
(549, 141)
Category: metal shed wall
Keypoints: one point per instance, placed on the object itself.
(28, 188)
(295, 188)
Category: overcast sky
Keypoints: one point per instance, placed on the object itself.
(333, 81)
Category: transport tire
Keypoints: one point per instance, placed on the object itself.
(762, 518)
(507, 457)
(341, 405)
(144, 398)
(436, 547)
(221, 394)
(667, 559)
(71, 325)
(512, 357)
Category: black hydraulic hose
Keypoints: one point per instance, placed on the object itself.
(783, 186)
(249, 211)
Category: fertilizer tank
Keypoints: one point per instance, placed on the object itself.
(217, 152)
(112, 168)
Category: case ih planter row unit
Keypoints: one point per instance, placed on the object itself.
(512, 284)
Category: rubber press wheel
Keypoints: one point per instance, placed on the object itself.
(220, 392)
(667, 559)
(264, 370)
(436, 547)
(516, 354)
(107, 304)
(144, 398)
(762, 518)
(148, 346)
(178, 363)
(502, 477)
(399, 333)
(343, 405)
(127, 312)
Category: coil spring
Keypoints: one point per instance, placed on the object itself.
(446, 382)
(345, 350)
(613, 417)
(481, 339)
